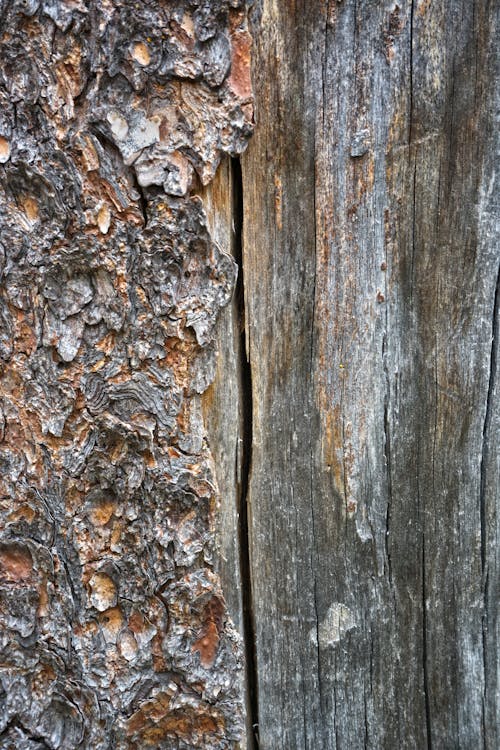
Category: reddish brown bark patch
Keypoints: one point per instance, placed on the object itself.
(241, 44)
(206, 645)
(16, 563)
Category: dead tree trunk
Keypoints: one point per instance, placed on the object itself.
(370, 265)
(113, 628)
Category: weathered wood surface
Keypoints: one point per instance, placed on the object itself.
(221, 401)
(371, 263)
(113, 628)
(227, 413)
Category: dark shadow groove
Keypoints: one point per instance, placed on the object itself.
(485, 457)
(246, 417)
(143, 201)
(487, 419)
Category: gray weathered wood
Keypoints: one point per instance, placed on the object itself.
(221, 402)
(226, 416)
(371, 264)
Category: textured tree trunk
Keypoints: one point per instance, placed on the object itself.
(370, 256)
(113, 628)
(353, 424)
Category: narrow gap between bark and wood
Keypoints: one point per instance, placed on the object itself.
(246, 436)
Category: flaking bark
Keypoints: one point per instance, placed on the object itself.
(113, 627)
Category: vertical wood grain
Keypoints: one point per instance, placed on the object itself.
(370, 274)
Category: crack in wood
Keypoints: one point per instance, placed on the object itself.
(487, 418)
(246, 425)
(485, 455)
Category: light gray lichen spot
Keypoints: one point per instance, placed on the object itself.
(363, 529)
(338, 621)
(360, 144)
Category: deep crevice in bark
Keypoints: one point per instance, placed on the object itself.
(142, 203)
(246, 417)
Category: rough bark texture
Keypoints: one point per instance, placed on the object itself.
(113, 627)
(371, 264)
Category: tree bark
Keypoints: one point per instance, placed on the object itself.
(113, 627)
